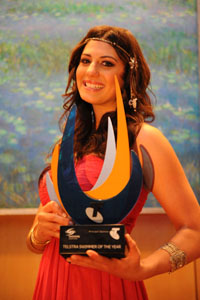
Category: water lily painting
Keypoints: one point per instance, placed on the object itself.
(36, 38)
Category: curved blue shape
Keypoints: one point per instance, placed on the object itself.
(76, 201)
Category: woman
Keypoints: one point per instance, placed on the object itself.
(103, 53)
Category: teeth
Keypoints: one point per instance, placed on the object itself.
(93, 86)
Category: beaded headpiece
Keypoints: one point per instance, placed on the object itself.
(133, 67)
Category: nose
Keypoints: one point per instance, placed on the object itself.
(92, 69)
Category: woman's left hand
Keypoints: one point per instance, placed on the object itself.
(129, 267)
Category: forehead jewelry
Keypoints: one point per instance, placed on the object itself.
(133, 67)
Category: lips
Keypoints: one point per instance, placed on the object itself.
(93, 85)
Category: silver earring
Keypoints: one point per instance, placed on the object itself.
(133, 103)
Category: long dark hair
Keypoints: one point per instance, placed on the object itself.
(87, 139)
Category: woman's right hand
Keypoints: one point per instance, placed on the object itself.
(49, 219)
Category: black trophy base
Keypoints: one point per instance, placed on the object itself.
(107, 240)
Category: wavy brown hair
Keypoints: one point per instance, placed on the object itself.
(87, 138)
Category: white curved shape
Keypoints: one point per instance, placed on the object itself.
(51, 190)
(109, 158)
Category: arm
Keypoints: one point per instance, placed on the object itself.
(172, 190)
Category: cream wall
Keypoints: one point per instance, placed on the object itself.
(18, 266)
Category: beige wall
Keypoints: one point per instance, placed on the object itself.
(18, 266)
(152, 231)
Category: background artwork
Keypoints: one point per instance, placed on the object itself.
(36, 38)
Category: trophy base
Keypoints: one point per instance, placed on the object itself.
(107, 240)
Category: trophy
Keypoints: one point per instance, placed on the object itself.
(97, 212)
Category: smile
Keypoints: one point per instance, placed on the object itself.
(94, 86)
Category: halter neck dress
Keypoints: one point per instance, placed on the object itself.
(59, 280)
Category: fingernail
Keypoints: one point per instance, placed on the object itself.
(64, 215)
(70, 223)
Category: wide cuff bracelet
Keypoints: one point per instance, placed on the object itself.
(177, 256)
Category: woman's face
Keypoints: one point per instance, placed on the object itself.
(99, 63)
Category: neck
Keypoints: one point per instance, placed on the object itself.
(99, 111)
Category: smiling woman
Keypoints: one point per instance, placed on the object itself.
(95, 77)
(104, 54)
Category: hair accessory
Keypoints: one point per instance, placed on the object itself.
(133, 63)
(177, 256)
(132, 60)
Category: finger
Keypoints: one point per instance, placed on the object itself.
(131, 244)
(54, 218)
(45, 217)
(85, 261)
(92, 254)
(47, 226)
(46, 229)
(94, 260)
(48, 235)
(53, 207)
(50, 221)
(99, 258)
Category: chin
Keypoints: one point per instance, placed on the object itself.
(92, 100)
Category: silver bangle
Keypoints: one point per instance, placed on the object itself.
(177, 256)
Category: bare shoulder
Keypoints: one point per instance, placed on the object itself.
(148, 131)
(153, 139)
(155, 150)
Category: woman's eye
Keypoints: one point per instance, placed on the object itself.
(107, 63)
(85, 61)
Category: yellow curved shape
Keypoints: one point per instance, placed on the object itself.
(120, 173)
(54, 172)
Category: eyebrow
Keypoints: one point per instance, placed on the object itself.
(104, 56)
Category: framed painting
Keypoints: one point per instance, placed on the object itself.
(36, 38)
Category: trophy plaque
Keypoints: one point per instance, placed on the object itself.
(107, 240)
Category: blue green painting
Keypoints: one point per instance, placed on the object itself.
(36, 38)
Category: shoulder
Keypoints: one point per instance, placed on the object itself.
(155, 143)
(153, 140)
(156, 154)
(149, 132)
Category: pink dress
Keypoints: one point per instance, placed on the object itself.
(59, 280)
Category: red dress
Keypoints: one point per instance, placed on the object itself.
(59, 280)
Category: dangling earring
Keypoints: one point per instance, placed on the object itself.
(133, 103)
(133, 100)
